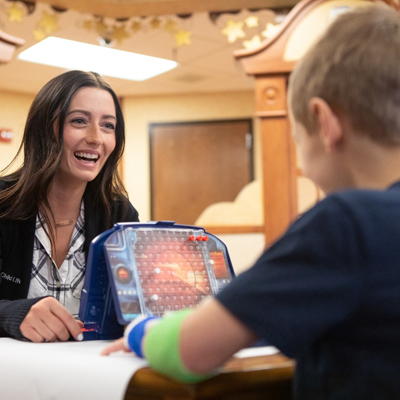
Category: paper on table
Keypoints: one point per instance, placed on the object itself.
(256, 351)
(64, 371)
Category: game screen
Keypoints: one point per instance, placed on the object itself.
(156, 270)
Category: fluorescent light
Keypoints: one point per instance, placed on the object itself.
(103, 60)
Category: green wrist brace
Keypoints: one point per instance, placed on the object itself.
(161, 348)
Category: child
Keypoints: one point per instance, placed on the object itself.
(328, 292)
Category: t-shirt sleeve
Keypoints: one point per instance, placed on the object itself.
(305, 284)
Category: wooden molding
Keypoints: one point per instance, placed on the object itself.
(271, 96)
(268, 58)
(7, 38)
(234, 229)
(271, 114)
(8, 44)
(288, 22)
(132, 8)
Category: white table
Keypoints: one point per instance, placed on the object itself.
(63, 371)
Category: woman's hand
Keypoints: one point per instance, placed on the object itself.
(48, 321)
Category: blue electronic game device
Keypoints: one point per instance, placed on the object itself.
(149, 268)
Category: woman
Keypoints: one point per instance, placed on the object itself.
(66, 192)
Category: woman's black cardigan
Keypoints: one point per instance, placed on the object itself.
(16, 252)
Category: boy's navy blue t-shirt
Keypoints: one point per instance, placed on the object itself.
(328, 294)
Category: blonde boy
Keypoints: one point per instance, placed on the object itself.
(328, 292)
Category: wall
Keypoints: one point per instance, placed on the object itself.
(13, 112)
(243, 249)
(139, 112)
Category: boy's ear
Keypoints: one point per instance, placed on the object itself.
(329, 126)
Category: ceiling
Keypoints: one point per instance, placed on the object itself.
(205, 65)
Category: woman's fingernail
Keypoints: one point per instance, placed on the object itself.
(80, 337)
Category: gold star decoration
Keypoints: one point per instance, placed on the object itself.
(270, 30)
(234, 31)
(251, 22)
(119, 34)
(15, 13)
(101, 28)
(182, 37)
(136, 26)
(170, 26)
(39, 34)
(88, 25)
(253, 43)
(155, 23)
(49, 22)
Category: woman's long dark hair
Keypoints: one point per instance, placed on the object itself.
(42, 145)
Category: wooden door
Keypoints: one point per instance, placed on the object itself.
(197, 164)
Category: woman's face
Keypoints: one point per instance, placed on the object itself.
(89, 135)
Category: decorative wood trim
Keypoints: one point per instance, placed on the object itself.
(271, 95)
(277, 182)
(268, 58)
(8, 44)
(234, 229)
(142, 8)
(10, 39)
(286, 24)
(271, 114)
(292, 167)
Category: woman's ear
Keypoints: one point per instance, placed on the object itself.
(329, 126)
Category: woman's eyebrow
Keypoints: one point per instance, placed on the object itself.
(88, 113)
(110, 116)
(78, 110)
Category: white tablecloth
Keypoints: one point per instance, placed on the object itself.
(63, 371)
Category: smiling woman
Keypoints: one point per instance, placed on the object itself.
(89, 135)
(66, 192)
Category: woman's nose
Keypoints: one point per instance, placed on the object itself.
(94, 135)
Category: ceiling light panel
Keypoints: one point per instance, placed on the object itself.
(70, 54)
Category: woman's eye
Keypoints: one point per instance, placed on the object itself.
(109, 125)
(78, 121)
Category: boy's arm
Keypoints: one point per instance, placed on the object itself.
(206, 338)
(210, 336)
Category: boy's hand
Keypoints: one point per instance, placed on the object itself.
(133, 336)
(48, 321)
(118, 345)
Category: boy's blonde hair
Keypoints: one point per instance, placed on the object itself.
(355, 68)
